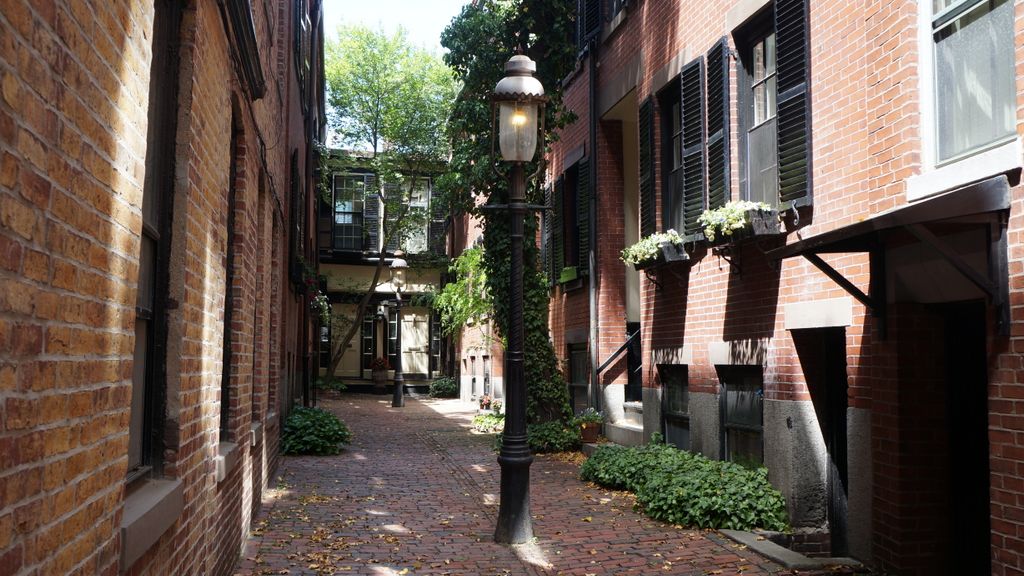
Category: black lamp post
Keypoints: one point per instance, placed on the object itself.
(519, 100)
(398, 266)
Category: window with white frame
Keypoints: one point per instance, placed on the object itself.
(974, 78)
(349, 191)
(416, 239)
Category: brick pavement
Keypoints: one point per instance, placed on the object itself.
(416, 493)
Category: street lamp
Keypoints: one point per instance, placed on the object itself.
(519, 100)
(398, 266)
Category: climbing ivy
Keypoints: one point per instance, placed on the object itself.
(480, 40)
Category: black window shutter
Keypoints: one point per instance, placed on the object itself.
(371, 215)
(546, 236)
(718, 124)
(557, 246)
(647, 207)
(692, 173)
(396, 198)
(438, 224)
(583, 215)
(588, 20)
(325, 216)
(794, 103)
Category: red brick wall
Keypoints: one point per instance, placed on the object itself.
(866, 144)
(74, 85)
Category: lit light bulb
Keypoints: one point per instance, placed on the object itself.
(518, 118)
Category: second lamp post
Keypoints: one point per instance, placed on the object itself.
(519, 99)
(398, 266)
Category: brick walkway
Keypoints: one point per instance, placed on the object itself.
(416, 493)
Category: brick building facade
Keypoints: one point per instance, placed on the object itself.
(478, 356)
(156, 189)
(867, 352)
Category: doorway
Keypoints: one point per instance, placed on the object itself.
(966, 375)
(823, 357)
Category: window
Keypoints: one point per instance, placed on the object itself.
(695, 156)
(569, 222)
(578, 385)
(742, 399)
(774, 106)
(416, 237)
(762, 163)
(975, 82)
(645, 124)
(325, 346)
(229, 285)
(302, 48)
(369, 337)
(349, 192)
(148, 376)
(435, 342)
(676, 409)
(393, 336)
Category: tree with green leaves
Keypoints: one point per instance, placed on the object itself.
(480, 40)
(389, 102)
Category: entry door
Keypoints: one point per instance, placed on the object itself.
(834, 431)
(967, 431)
(634, 365)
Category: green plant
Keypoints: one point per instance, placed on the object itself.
(496, 406)
(589, 416)
(489, 422)
(444, 387)
(313, 431)
(330, 383)
(479, 42)
(649, 248)
(684, 488)
(568, 274)
(547, 437)
(727, 219)
(321, 306)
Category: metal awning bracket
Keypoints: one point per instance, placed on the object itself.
(955, 260)
(840, 279)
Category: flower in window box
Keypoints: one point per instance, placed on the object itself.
(380, 363)
(737, 220)
(655, 249)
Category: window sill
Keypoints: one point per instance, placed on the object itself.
(998, 160)
(613, 25)
(226, 459)
(149, 510)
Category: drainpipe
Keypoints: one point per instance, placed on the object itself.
(595, 386)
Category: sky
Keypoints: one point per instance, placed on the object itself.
(423, 19)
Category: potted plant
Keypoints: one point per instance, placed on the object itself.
(589, 422)
(657, 248)
(737, 220)
(485, 402)
(379, 368)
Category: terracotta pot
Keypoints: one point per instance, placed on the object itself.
(380, 380)
(589, 432)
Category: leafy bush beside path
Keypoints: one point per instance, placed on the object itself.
(689, 489)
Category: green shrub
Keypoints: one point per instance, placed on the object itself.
(446, 387)
(546, 437)
(684, 488)
(489, 422)
(329, 383)
(313, 431)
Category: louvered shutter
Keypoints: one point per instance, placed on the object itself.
(546, 237)
(794, 103)
(557, 247)
(583, 216)
(438, 224)
(647, 202)
(371, 215)
(325, 217)
(692, 174)
(393, 192)
(588, 20)
(718, 124)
